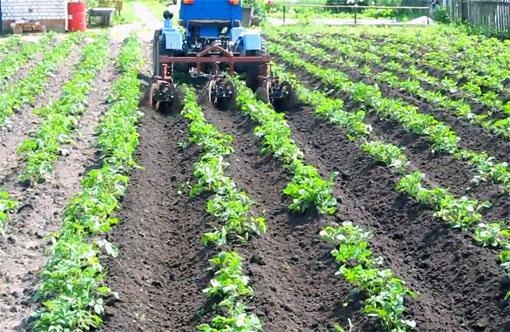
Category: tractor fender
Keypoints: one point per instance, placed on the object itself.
(173, 39)
(246, 40)
(252, 41)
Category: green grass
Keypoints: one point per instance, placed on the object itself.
(156, 6)
(127, 15)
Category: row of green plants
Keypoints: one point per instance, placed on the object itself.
(410, 84)
(228, 288)
(480, 63)
(457, 212)
(307, 188)
(10, 45)
(403, 54)
(14, 61)
(233, 208)
(442, 138)
(42, 150)
(73, 288)
(27, 89)
(385, 292)
(453, 52)
(230, 205)
(7, 206)
(437, 48)
(463, 76)
(462, 213)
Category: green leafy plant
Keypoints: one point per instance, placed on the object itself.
(61, 117)
(458, 212)
(72, 288)
(493, 234)
(228, 204)
(389, 154)
(228, 287)
(386, 293)
(7, 205)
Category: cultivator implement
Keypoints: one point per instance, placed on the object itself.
(212, 47)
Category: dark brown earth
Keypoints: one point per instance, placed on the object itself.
(441, 169)
(460, 285)
(492, 144)
(162, 266)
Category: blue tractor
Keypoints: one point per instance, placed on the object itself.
(209, 42)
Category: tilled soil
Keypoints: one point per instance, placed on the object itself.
(25, 122)
(292, 272)
(162, 266)
(161, 269)
(22, 250)
(460, 285)
(441, 169)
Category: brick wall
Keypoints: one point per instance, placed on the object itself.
(52, 13)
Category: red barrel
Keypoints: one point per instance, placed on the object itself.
(77, 16)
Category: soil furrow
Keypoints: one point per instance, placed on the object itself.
(291, 270)
(161, 268)
(472, 136)
(22, 72)
(441, 169)
(460, 285)
(25, 122)
(22, 250)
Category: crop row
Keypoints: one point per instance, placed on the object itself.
(458, 212)
(7, 205)
(462, 213)
(412, 86)
(442, 138)
(385, 292)
(474, 90)
(61, 117)
(229, 286)
(13, 61)
(27, 89)
(73, 287)
(482, 88)
(307, 189)
(230, 205)
(481, 61)
(10, 45)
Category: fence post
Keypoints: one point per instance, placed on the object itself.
(355, 14)
(284, 9)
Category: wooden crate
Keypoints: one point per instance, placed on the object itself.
(19, 27)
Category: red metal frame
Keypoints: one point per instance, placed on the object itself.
(225, 57)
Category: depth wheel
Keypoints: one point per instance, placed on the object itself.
(221, 93)
(287, 98)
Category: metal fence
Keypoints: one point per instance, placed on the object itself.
(356, 13)
(492, 16)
